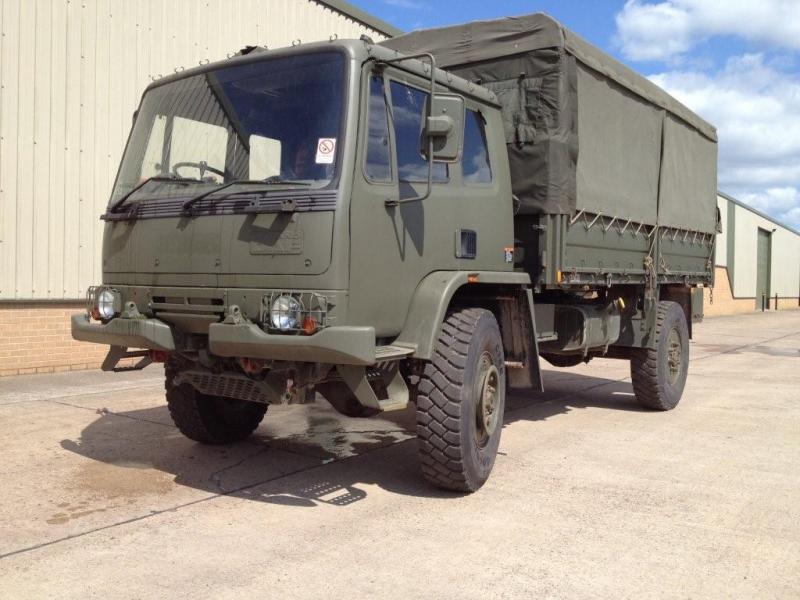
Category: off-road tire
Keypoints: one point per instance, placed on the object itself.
(211, 419)
(341, 398)
(448, 397)
(650, 368)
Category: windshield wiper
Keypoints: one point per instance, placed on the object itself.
(172, 179)
(277, 179)
(188, 204)
(273, 180)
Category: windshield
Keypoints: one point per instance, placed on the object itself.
(276, 120)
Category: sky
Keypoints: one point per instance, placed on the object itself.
(734, 62)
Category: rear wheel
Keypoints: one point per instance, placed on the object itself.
(460, 402)
(211, 419)
(659, 374)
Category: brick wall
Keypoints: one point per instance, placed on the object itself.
(785, 303)
(726, 304)
(35, 338)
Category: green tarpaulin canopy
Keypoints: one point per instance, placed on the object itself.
(583, 131)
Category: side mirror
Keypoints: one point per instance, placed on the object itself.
(445, 128)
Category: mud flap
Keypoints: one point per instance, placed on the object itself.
(534, 368)
(522, 344)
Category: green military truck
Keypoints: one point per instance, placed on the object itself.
(420, 220)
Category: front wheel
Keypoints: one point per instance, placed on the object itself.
(460, 402)
(211, 419)
(659, 374)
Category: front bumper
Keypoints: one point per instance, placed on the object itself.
(130, 333)
(333, 345)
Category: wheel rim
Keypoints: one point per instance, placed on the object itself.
(488, 400)
(674, 356)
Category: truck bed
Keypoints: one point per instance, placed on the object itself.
(590, 249)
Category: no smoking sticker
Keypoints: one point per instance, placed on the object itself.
(326, 148)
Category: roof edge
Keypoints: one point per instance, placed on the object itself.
(758, 212)
(348, 10)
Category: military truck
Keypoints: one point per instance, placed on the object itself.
(421, 220)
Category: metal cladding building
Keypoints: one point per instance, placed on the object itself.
(72, 73)
(757, 262)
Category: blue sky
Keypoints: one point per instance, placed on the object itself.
(735, 62)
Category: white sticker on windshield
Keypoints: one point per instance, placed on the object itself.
(326, 148)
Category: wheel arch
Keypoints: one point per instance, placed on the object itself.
(442, 290)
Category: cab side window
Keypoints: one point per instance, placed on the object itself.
(408, 112)
(379, 158)
(475, 162)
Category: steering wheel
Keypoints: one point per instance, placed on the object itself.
(203, 166)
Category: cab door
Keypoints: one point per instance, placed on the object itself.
(392, 248)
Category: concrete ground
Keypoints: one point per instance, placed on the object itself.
(590, 496)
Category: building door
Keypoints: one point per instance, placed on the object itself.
(763, 259)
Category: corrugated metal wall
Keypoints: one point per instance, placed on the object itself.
(785, 254)
(71, 74)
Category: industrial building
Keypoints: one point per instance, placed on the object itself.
(71, 75)
(757, 262)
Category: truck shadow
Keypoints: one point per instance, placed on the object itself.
(306, 456)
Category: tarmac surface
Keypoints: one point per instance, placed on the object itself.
(590, 496)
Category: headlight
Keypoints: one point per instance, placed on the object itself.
(106, 305)
(285, 313)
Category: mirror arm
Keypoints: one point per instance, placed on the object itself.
(393, 202)
(432, 61)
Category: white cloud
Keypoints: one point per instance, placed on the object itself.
(782, 204)
(756, 109)
(792, 217)
(668, 29)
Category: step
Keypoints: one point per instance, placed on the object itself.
(387, 353)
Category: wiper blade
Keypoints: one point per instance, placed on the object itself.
(277, 179)
(188, 204)
(173, 179)
(274, 180)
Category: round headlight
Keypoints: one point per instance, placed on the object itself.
(285, 313)
(106, 301)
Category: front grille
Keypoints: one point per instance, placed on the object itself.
(188, 305)
(229, 386)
